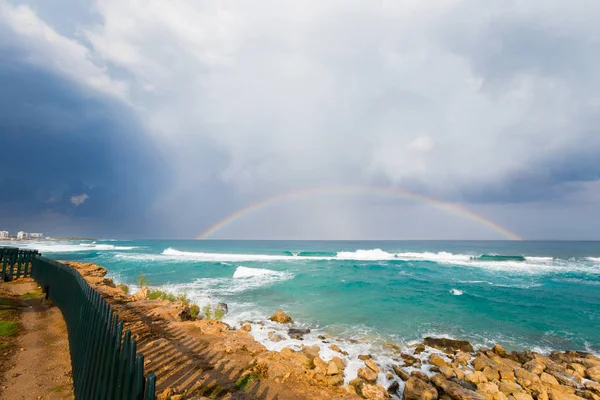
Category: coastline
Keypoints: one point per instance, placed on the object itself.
(268, 361)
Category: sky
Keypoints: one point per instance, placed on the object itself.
(154, 119)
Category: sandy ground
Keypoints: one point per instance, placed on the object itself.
(35, 364)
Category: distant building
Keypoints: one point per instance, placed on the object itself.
(4, 235)
(21, 235)
(35, 236)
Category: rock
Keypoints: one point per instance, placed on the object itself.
(438, 361)
(246, 327)
(499, 350)
(408, 359)
(491, 374)
(335, 380)
(459, 373)
(421, 375)
(455, 390)
(506, 374)
(547, 378)
(522, 396)
(578, 368)
(374, 392)
(391, 346)
(298, 333)
(364, 357)
(393, 388)
(185, 314)
(341, 364)
(509, 388)
(367, 374)
(593, 386)
(593, 373)
(419, 348)
(475, 378)
(447, 371)
(275, 337)
(416, 389)
(535, 366)
(490, 391)
(448, 345)
(141, 294)
(532, 383)
(311, 351)
(332, 368)
(400, 372)
(554, 394)
(371, 364)
(335, 347)
(281, 317)
(480, 362)
(320, 365)
(462, 358)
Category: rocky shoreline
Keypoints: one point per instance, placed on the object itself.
(437, 368)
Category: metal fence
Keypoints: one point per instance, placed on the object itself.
(104, 362)
(15, 263)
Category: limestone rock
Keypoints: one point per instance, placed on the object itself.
(436, 360)
(141, 294)
(400, 372)
(475, 378)
(554, 394)
(462, 358)
(298, 333)
(578, 368)
(499, 350)
(246, 327)
(416, 389)
(335, 347)
(320, 365)
(275, 337)
(455, 390)
(311, 351)
(547, 378)
(480, 362)
(374, 392)
(593, 373)
(332, 368)
(422, 376)
(522, 396)
(448, 345)
(535, 366)
(491, 374)
(509, 387)
(367, 374)
(335, 380)
(281, 317)
(490, 391)
(447, 371)
(364, 357)
(459, 373)
(408, 359)
(393, 388)
(506, 373)
(185, 314)
(371, 364)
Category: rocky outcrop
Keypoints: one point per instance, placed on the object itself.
(281, 317)
(454, 390)
(298, 333)
(416, 389)
(448, 345)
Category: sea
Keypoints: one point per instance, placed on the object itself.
(541, 296)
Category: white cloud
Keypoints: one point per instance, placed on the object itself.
(79, 199)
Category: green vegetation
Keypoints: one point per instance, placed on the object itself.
(246, 380)
(194, 311)
(216, 313)
(155, 294)
(124, 288)
(57, 389)
(8, 328)
(3, 346)
(4, 302)
(30, 295)
(207, 312)
(142, 281)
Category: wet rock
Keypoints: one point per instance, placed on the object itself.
(459, 373)
(364, 357)
(335, 380)
(455, 390)
(421, 375)
(321, 337)
(448, 345)
(335, 347)
(320, 365)
(416, 389)
(462, 358)
(371, 364)
(499, 350)
(246, 327)
(393, 388)
(281, 317)
(408, 359)
(475, 378)
(391, 346)
(448, 372)
(367, 374)
(436, 360)
(593, 373)
(274, 337)
(374, 392)
(400, 373)
(332, 368)
(419, 348)
(311, 351)
(298, 333)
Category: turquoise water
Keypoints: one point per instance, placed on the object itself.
(547, 299)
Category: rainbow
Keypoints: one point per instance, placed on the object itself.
(360, 190)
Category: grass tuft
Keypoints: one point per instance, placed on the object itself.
(246, 381)
(124, 288)
(29, 295)
(8, 328)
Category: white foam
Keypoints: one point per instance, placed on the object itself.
(456, 292)
(245, 272)
(594, 259)
(62, 247)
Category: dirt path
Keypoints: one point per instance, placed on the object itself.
(37, 364)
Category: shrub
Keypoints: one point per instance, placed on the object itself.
(207, 312)
(124, 288)
(142, 281)
(194, 311)
(8, 328)
(219, 313)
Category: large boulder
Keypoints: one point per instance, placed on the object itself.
(593, 373)
(400, 372)
(367, 374)
(454, 390)
(281, 317)
(374, 392)
(416, 389)
(448, 345)
(438, 361)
